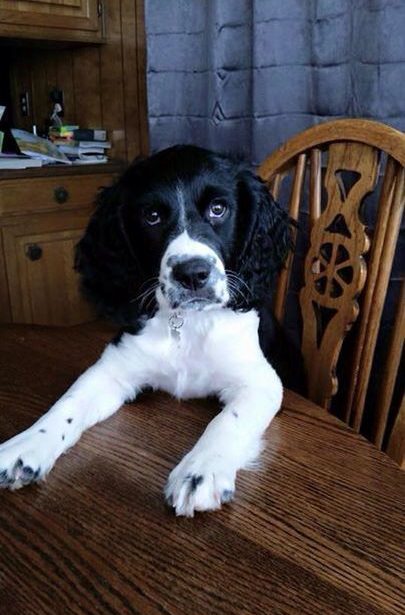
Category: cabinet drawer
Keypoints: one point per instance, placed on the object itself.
(43, 286)
(50, 193)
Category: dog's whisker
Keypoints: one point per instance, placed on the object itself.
(149, 281)
(143, 296)
(232, 275)
(153, 280)
(233, 296)
(148, 297)
(232, 285)
(149, 302)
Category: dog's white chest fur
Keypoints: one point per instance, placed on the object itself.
(210, 348)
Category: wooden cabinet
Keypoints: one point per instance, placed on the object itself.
(39, 256)
(70, 20)
(64, 193)
(38, 284)
(43, 212)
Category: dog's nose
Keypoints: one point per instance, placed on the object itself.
(193, 273)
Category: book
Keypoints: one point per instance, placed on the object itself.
(91, 156)
(90, 134)
(75, 150)
(61, 133)
(103, 144)
(91, 160)
(57, 138)
(62, 141)
(35, 147)
(65, 128)
(16, 161)
(81, 145)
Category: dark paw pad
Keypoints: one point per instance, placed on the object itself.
(195, 481)
(19, 475)
(28, 475)
(227, 496)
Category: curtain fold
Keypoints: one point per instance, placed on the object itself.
(244, 75)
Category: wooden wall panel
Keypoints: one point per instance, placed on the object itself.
(86, 83)
(131, 93)
(64, 75)
(40, 85)
(140, 37)
(20, 81)
(112, 79)
(103, 85)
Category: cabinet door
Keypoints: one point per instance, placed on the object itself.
(43, 286)
(52, 16)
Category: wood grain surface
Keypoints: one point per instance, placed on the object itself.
(317, 528)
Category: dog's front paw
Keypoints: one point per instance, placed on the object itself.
(23, 460)
(202, 481)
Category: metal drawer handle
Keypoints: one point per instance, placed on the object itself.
(61, 195)
(34, 252)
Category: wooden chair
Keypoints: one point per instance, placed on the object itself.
(333, 167)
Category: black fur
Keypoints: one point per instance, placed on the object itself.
(281, 351)
(265, 234)
(120, 255)
(132, 330)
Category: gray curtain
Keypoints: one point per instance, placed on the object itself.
(244, 75)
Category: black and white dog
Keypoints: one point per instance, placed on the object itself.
(182, 252)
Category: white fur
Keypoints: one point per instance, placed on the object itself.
(183, 245)
(182, 206)
(217, 353)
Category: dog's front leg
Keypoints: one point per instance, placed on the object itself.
(97, 394)
(205, 478)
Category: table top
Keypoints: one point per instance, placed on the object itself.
(317, 528)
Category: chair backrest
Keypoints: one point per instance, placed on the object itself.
(332, 168)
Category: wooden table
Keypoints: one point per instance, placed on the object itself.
(317, 529)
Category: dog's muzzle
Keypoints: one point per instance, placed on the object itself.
(194, 282)
(192, 276)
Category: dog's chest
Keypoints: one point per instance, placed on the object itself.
(194, 360)
(185, 364)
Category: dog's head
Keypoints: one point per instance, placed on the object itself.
(183, 229)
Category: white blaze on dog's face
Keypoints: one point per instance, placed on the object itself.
(192, 276)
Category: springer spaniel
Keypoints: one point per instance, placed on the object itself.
(182, 252)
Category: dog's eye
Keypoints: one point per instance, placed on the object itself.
(151, 217)
(217, 209)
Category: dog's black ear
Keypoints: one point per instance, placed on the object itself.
(265, 233)
(105, 259)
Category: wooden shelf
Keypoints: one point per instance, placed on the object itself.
(55, 170)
